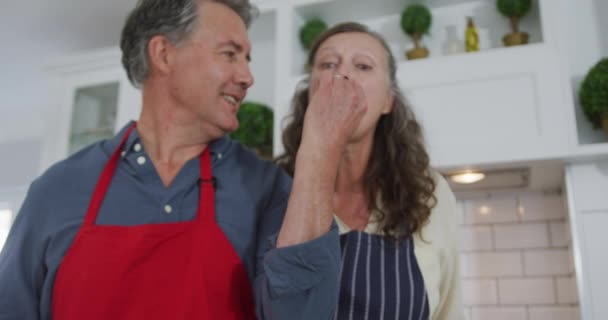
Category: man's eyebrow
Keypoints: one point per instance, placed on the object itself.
(237, 47)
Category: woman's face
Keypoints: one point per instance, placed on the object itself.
(361, 58)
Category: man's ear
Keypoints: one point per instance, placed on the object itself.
(160, 51)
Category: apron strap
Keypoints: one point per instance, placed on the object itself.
(104, 181)
(206, 199)
(206, 206)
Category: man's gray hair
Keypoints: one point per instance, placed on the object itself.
(174, 19)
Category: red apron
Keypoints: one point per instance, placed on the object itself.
(185, 270)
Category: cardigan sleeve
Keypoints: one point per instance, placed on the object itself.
(449, 306)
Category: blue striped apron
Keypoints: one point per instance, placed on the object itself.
(380, 279)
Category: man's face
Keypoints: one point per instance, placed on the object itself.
(210, 74)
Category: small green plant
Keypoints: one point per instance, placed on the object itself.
(255, 128)
(311, 31)
(416, 21)
(514, 10)
(593, 94)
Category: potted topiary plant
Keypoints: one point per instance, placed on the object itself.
(310, 31)
(416, 21)
(593, 95)
(514, 10)
(255, 128)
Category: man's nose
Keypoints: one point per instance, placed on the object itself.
(244, 76)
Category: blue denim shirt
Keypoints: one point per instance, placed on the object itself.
(296, 282)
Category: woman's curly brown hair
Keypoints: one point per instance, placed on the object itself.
(398, 171)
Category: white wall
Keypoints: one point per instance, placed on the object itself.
(34, 33)
(581, 33)
(601, 7)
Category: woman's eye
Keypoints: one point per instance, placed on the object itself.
(327, 65)
(364, 67)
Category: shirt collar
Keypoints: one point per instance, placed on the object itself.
(218, 148)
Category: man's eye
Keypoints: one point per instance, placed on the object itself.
(230, 54)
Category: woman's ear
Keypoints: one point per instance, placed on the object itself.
(388, 106)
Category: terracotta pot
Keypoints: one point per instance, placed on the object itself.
(515, 39)
(417, 53)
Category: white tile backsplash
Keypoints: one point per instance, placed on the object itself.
(521, 236)
(516, 261)
(498, 313)
(527, 291)
(479, 292)
(554, 313)
(541, 208)
(490, 211)
(491, 264)
(476, 238)
(560, 234)
(547, 262)
(567, 291)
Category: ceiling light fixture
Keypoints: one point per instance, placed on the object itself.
(467, 177)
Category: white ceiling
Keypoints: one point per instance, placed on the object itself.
(63, 25)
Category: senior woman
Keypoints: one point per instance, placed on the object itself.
(397, 216)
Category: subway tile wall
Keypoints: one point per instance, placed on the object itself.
(516, 258)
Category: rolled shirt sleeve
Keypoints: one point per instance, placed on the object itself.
(299, 281)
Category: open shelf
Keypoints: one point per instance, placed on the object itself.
(445, 38)
(589, 141)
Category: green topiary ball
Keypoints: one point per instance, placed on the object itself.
(310, 31)
(416, 19)
(513, 8)
(255, 127)
(593, 94)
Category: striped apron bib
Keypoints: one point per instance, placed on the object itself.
(380, 279)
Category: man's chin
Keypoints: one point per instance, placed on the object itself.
(232, 127)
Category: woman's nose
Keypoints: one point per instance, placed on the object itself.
(344, 70)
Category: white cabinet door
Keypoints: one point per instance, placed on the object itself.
(489, 107)
(587, 186)
(595, 258)
(89, 105)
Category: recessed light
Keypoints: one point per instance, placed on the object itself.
(467, 177)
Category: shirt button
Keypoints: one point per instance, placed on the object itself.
(137, 147)
(123, 154)
(219, 156)
(141, 160)
(168, 209)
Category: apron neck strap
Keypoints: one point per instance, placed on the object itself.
(206, 199)
(206, 202)
(104, 181)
